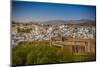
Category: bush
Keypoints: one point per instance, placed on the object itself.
(44, 53)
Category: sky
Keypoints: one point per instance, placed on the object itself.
(41, 12)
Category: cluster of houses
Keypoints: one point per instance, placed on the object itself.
(39, 32)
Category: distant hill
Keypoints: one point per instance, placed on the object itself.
(83, 21)
(59, 22)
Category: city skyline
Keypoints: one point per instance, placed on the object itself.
(41, 12)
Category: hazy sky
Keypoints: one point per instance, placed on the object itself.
(36, 11)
